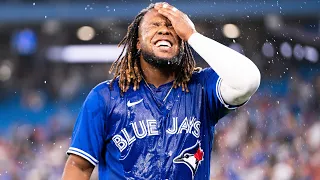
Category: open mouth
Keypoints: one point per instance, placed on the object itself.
(163, 44)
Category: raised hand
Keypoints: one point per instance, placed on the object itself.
(181, 23)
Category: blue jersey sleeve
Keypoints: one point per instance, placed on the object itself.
(88, 134)
(217, 106)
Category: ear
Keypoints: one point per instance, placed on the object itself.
(138, 44)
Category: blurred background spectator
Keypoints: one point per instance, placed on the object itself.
(53, 52)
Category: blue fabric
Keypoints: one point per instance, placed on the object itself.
(137, 136)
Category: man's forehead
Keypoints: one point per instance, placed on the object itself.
(153, 15)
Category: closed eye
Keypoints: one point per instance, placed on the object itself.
(155, 24)
(159, 24)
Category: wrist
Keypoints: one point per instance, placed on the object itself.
(193, 37)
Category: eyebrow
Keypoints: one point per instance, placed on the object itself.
(160, 21)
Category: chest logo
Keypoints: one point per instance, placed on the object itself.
(191, 157)
(129, 104)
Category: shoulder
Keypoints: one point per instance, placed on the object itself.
(107, 86)
(103, 92)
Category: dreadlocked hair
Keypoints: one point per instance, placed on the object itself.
(127, 66)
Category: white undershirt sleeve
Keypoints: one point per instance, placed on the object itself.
(240, 76)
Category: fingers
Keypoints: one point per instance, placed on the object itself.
(167, 8)
(167, 14)
(181, 23)
(174, 9)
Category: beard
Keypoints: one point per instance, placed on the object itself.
(163, 63)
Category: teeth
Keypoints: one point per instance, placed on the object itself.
(163, 43)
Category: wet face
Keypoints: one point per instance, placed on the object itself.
(158, 42)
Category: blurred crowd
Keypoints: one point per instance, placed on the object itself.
(273, 136)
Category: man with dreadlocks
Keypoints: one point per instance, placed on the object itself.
(155, 119)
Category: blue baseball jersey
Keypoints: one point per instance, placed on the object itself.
(138, 136)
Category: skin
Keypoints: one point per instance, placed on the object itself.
(162, 22)
(77, 168)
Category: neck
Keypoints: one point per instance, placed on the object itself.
(156, 76)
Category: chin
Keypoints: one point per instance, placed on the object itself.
(162, 59)
(165, 55)
(165, 58)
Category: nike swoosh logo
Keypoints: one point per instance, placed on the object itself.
(129, 104)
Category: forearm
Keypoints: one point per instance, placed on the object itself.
(73, 170)
(238, 73)
(71, 173)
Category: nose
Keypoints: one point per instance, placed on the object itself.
(163, 30)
